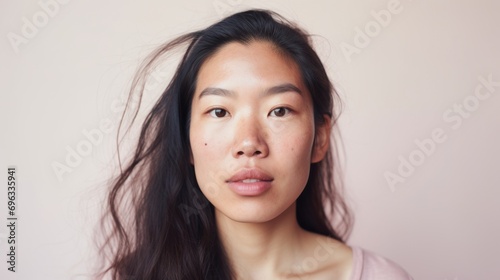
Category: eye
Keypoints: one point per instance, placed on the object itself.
(218, 113)
(279, 112)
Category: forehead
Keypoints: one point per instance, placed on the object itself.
(255, 64)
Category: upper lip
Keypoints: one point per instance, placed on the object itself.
(251, 173)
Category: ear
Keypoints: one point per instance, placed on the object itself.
(321, 140)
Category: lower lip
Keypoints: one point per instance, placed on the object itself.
(250, 189)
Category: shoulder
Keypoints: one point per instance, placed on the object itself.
(323, 258)
(368, 265)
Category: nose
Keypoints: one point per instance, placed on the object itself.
(250, 139)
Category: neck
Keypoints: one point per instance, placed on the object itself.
(264, 250)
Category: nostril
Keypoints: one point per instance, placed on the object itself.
(256, 153)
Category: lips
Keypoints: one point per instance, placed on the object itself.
(250, 182)
(249, 175)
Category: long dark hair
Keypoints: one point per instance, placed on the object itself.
(158, 224)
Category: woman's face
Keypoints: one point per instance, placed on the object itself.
(252, 132)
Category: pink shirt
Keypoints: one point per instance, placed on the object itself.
(369, 266)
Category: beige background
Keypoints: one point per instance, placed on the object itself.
(63, 79)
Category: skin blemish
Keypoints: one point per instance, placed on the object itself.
(205, 144)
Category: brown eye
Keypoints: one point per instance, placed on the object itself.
(280, 112)
(218, 113)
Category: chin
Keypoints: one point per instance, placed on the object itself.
(254, 213)
(256, 219)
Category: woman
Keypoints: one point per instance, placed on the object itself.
(232, 175)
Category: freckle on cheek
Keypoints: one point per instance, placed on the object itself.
(205, 144)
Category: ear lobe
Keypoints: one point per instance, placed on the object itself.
(321, 140)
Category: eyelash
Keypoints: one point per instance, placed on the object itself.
(213, 112)
(287, 111)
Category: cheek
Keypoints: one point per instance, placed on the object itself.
(201, 141)
(202, 150)
(293, 153)
(203, 162)
(208, 152)
(212, 170)
(294, 141)
(299, 153)
(207, 144)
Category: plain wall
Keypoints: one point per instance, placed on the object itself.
(402, 84)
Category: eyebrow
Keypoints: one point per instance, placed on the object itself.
(282, 88)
